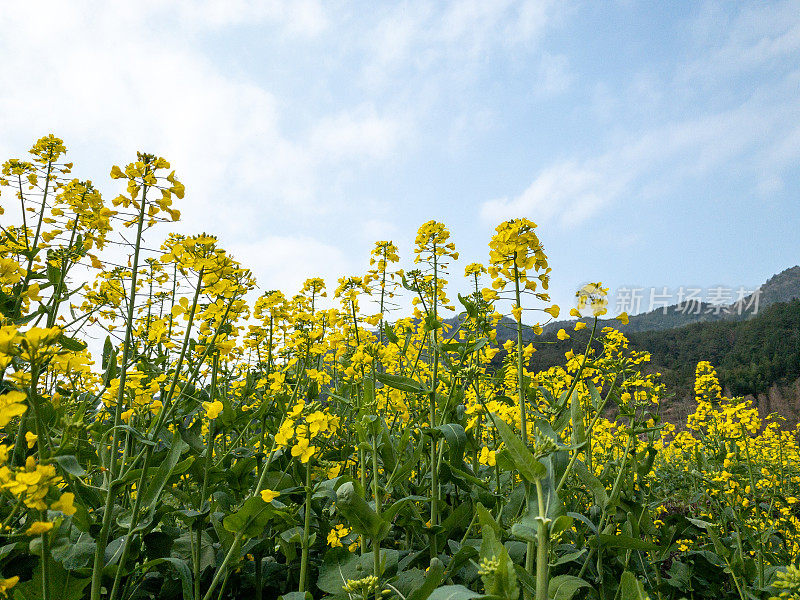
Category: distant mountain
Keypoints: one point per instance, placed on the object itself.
(756, 351)
(783, 287)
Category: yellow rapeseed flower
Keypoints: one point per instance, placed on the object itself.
(38, 528)
(269, 495)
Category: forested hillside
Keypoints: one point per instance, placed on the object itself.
(750, 356)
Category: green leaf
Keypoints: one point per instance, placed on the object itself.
(432, 580)
(456, 439)
(597, 400)
(461, 558)
(369, 392)
(699, 523)
(70, 464)
(528, 582)
(646, 465)
(71, 344)
(64, 585)
(251, 519)
(454, 592)
(622, 541)
(564, 587)
(632, 589)
(157, 544)
(360, 515)
(486, 519)
(526, 529)
(181, 567)
(53, 274)
(389, 514)
(296, 596)
(339, 565)
(402, 471)
(469, 306)
(595, 486)
(527, 466)
(560, 524)
(404, 384)
(153, 491)
(432, 323)
(389, 334)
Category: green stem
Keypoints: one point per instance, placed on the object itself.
(306, 531)
(376, 544)
(520, 369)
(542, 546)
(432, 406)
(102, 538)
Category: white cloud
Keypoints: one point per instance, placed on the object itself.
(359, 133)
(452, 39)
(568, 192)
(752, 127)
(758, 35)
(554, 76)
(571, 191)
(297, 17)
(285, 262)
(113, 78)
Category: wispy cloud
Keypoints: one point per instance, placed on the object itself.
(112, 80)
(759, 134)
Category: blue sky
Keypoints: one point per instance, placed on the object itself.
(655, 143)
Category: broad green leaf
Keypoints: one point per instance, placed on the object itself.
(502, 581)
(389, 514)
(183, 570)
(71, 344)
(595, 486)
(389, 334)
(622, 541)
(564, 587)
(164, 472)
(461, 558)
(70, 464)
(108, 348)
(527, 582)
(469, 306)
(453, 592)
(560, 524)
(296, 596)
(339, 565)
(251, 519)
(527, 466)
(699, 523)
(360, 515)
(157, 544)
(432, 579)
(399, 382)
(369, 392)
(53, 274)
(632, 588)
(645, 466)
(64, 585)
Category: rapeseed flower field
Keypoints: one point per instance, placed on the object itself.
(296, 446)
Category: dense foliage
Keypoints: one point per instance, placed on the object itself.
(225, 446)
(750, 355)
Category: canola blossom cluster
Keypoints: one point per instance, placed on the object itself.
(221, 442)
